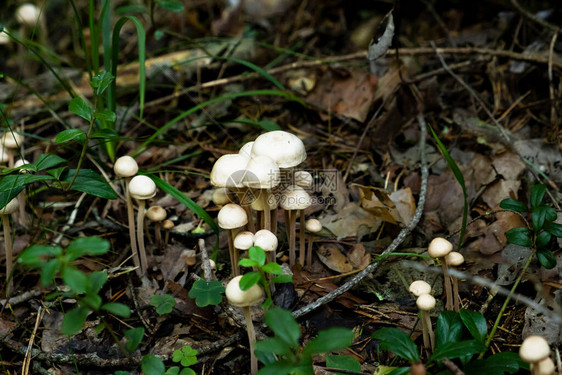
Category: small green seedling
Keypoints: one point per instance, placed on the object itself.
(186, 356)
(164, 304)
(207, 293)
(283, 354)
(542, 229)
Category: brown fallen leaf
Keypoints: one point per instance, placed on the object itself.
(377, 201)
(346, 222)
(332, 256)
(358, 257)
(318, 288)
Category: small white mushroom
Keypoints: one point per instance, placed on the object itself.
(9, 209)
(157, 214)
(142, 188)
(439, 248)
(419, 287)
(312, 226)
(231, 217)
(244, 299)
(11, 142)
(294, 200)
(243, 241)
(425, 303)
(533, 350)
(455, 259)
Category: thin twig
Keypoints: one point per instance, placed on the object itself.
(553, 115)
(534, 18)
(393, 246)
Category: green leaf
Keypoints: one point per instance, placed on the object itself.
(537, 194)
(457, 349)
(395, 341)
(171, 5)
(91, 183)
(91, 301)
(273, 345)
(248, 263)
(164, 304)
(400, 371)
(448, 328)
(519, 236)
(174, 370)
(539, 215)
(282, 279)
(329, 340)
(152, 365)
(101, 82)
(256, 253)
(249, 279)
(281, 367)
(118, 309)
(48, 271)
(97, 281)
(497, 364)
(134, 337)
(546, 259)
(92, 245)
(268, 125)
(46, 161)
(206, 293)
(187, 371)
(543, 238)
(475, 323)
(74, 320)
(106, 134)
(513, 205)
(56, 172)
(553, 228)
(36, 255)
(343, 362)
(71, 134)
(273, 268)
(80, 107)
(121, 373)
(187, 356)
(284, 325)
(76, 280)
(105, 115)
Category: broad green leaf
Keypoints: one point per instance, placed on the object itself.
(164, 304)
(152, 365)
(546, 259)
(187, 356)
(118, 309)
(268, 125)
(281, 367)
(284, 325)
(256, 253)
(81, 108)
(497, 364)
(448, 328)
(553, 228)
(475, 323)
(130, 9)
(395, 341)
(105, 115)
(101, 82)
(539, 215)
(206, 293)
(71, 134)
(187, 371)
(107, 134)
(249, 279)
(91, 183)
(49, 270)
(457, 349)
(329, 340)
(513, 205)
(248, 263)
(76, 280)
(97, 281)
(56, 172)
(272, 268)
(273, 345)
(134, 337)
(400, 371)
(92, 245)
(74, 320)
(46, 161)
(174, 370)
(343, 362)
(91, 301)
(537, 194)
(121, 373)
(282, 279)
(171, 5)
(36, 255)
(543, 238)
(519, 236)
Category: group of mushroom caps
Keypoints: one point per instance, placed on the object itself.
(141, 188)
(261, 178)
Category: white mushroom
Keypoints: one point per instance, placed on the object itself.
(293, 200)
(455, 259)
(11, 142)
(425, 303)
(243, 241)
(231, 217)
(286, 149)
(9, 209)
(419, 287)
(312, 226)
(157, 214)
(142, 188)
(439, 248)
(262, 175)
(533, 350)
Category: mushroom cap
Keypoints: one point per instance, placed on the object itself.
(266, 239)
(125, 166)
(156, 213)
(295, 198)
(313, 225)
(229, 170)
(262, 173)
(286, 149)
(419, 287)
(27, 14)
(454, 258)
(142, 187)
(11, 207)
(534, 349)
(544, 367)
(168, 224)
(3, 154)
(4, 38)
(11, 140)
(247, 149)
(21, 163)
(221, 196)
(244, 240)
(439, 247)
(242, 298)
(232, 216)
(303, 179)
(213, 264)
(425, 302)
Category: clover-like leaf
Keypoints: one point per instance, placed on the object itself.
(207, 293)
(164, 304)
(187, 356)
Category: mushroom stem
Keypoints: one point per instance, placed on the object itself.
(292, 236)
(140, 236)
(447, 284)
(302, 247)
(274, 220)
(8, 246)
(157, 235)
(251, 338)
(232, 252)
(264, 196)
(309, 250)
(427, 331)
(456, 296)
(131, 219)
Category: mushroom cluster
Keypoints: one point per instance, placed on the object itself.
(259, 180)
(536, 352)
(425, 303)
